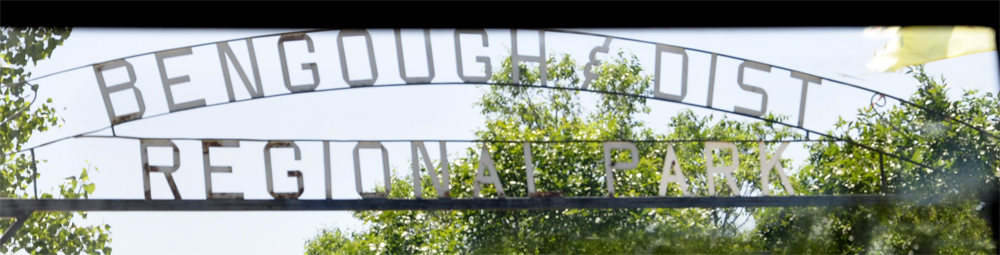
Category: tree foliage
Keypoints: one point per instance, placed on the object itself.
(517, 113)
(43, 232)
(963, 163)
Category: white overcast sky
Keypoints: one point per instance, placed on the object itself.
(412, 113)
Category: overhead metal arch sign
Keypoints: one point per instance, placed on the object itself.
(359, 59)
(249, 74)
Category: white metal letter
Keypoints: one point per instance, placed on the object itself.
(670, 164)
(402, 66)
(305, 66)
(144, 144)
(371, 57)
(482, 59)
(684, 73)
(291, 173)
(385, 170)
(106, 90)
(529, 166)
(209, 169)
(726, 171)
(588, 72)
(758, 90)
(225, 50)
(440, 185)
(609, 165)
(167, 82)
(806, 79)
(486, 164)
(711, 80)
(767, 165)
(516, 59)
(326, 170)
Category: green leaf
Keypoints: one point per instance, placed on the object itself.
(44, 232)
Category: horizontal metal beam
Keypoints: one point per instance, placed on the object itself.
(13, 207)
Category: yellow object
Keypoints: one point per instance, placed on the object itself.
(921, 44)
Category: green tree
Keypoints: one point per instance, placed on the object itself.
(43, 232)
(964, 163)
(517, 113)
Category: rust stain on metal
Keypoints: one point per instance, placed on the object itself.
(100, 67)
(547, 194)
(374, 195)
(121, 119)
(286, 195)
(209, 143)
(293, 36)
(145, 172)
(281, 144)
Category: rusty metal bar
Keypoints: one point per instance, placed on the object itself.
(13, 207)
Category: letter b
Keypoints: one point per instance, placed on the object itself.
(107, 90)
